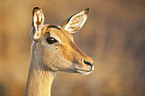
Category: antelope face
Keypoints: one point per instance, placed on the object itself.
(57, 50)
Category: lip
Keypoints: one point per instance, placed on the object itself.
(85, 71)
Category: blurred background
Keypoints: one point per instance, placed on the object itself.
(114, 36)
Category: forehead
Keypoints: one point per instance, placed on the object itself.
(55, 30)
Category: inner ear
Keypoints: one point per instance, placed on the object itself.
(37, 23)
(76, 21)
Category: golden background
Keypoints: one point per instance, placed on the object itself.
(114, 36)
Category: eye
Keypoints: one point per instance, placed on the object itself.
(51, 40)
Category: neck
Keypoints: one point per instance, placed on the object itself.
(39, 80)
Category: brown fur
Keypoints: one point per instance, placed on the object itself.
(47, 59)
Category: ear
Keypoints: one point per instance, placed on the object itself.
(76, 21)
(37, 23)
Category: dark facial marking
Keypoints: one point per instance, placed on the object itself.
(56, 48)
(54, 26)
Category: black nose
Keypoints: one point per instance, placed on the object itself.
(88, 63)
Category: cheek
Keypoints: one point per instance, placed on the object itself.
(58, 58)
(62, 63)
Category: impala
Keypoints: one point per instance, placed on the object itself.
(53, 49)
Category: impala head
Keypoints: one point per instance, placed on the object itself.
(54, 46)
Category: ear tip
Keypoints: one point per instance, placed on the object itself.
(87, 11)
(87, 8)
(35, 9)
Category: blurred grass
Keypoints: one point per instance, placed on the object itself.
(114, 35)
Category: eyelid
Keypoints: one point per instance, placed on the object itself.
(55, 37)
(58, 39)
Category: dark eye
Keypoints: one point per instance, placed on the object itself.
(51, 40)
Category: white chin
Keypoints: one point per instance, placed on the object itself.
(83, 72)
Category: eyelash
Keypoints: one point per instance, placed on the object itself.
(51, 40)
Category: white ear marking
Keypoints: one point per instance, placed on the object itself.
(75, 22)
(37, 23)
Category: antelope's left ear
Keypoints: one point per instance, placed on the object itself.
(76, 21)
(37, 24)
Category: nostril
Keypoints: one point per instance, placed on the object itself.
(88, 63)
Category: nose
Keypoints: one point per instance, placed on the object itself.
(88, 63)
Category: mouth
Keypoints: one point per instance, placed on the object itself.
(86, 71)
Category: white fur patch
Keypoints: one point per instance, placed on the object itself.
(76, 22)
(38, 18)
(58, 39)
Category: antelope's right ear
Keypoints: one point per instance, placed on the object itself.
(37, 24)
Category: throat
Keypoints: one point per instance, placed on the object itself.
(39, 82)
